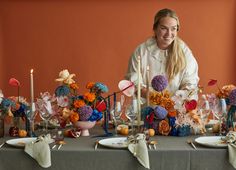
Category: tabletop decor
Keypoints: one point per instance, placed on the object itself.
(171, 115)
(14, 109)
(87, 107)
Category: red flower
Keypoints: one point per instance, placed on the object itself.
(190, 105)
(14, 82)
(212, 82)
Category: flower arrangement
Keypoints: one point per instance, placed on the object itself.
(13, 108)
(72, 106)
(168, 115)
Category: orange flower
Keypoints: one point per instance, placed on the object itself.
(155, 98)
(74, 117)
(90, 85)
(74, 86)
(172, 113)
(78, 103)
(164, 127)
(89, 96)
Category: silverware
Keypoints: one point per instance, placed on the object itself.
(2, 144)
(96, 145)
(189, 141)
(59, 147)
(54, 146)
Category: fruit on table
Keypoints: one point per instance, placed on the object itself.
(22, 133)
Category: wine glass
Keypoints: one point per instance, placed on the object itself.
(219, 110)
(46, 114)
(116, 113)
(131, 114)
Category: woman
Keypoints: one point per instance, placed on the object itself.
(165, 54)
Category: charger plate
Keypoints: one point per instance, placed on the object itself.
(117, 142)
(212, 141)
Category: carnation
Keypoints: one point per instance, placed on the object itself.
(159, 83)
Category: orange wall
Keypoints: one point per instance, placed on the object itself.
(94, 38)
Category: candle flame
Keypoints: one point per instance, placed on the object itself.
(31, 71)
(147, 68)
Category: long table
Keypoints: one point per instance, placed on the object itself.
(172, 153)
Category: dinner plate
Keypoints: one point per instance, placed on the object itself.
(212, 141)
(20, 142)
(117, 142)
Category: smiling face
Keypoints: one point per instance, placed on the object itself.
(166, 31)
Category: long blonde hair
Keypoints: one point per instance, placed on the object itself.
(176, 61)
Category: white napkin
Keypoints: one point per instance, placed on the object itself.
(231, 139)
(40, 150)
(138, 147)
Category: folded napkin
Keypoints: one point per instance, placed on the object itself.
(40, 150)
(231, 140)
(138, 147)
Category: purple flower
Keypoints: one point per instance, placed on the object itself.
(232, 97)
(85, 112)
(160, 112)
(159, 83)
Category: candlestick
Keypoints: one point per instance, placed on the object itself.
(32, 86)
(139, 92)
(147, 83)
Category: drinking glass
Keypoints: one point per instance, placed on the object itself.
(116, 115)
(219, 110)
(45, 114)
(131, 114)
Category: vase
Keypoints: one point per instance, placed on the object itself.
(84, 126)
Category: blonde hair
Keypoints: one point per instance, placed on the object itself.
(176, 61)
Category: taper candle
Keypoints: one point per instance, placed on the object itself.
(139, 92)
(32, 86)
(147, 85)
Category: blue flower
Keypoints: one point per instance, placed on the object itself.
(160, 112)
(101, 87)
(96, 115)
(62, 90)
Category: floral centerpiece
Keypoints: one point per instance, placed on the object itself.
(14, 109)
(170, 115)
(71, 107)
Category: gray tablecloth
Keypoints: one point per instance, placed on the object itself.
(173, 153)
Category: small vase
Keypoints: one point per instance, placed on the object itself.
(84, 126)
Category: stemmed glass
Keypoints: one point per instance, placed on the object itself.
(116, 113)
(219, 110)
(46, 114)
(131, 114)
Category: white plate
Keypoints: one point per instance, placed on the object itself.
(117, 142)
(211, 141)
(20, 142)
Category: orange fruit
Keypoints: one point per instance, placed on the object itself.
(151, 132)
(124, 131)
(22, 133)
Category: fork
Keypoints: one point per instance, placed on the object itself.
(2, 144)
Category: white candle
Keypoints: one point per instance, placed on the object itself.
(139, 92)
(32, 86)
(147, 83)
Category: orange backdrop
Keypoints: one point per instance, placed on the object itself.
(94, 39)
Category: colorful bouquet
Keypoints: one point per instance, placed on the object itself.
(72, 106)
(168, 115)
